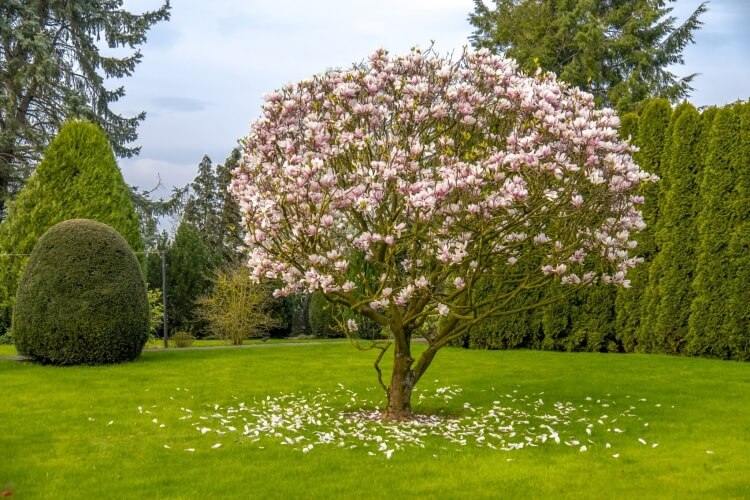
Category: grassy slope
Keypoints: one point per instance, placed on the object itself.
(51, 449)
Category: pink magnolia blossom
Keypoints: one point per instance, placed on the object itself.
(426, 169)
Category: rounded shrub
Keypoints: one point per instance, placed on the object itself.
(82, 298)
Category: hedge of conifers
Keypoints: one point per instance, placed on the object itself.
(691, 294)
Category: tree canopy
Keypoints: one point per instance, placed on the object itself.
(621, 50)
(432, 173)
(52, 68)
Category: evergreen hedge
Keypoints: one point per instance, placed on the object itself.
(715, 224)
(77, 178)
(691, 294)
(651, 295)
(652, 129)
(82, 298)
(670, 286)
(736, 326)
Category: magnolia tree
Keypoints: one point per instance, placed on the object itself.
(400, 187)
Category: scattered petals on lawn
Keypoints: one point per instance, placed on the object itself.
(345, 419)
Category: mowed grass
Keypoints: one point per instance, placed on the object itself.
(57, 440)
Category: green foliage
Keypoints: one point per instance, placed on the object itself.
(629, 126)
(652, 127)
(736, 326)
(321, 317)
(182, 339)
(619, 51)
(52, 69)
(190, 267)
(230, 219)
(78, 178)
(584, 322)
(156, 311)
(673, 267)
(82, 298)
(237, 308)
(210, 208)
(715, 225)
(594, 329)
(649, 301)
(523, 329)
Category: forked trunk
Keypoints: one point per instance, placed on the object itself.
(406, 373)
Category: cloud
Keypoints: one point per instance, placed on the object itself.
(179, 104)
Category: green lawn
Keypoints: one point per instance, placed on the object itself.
(57, 440)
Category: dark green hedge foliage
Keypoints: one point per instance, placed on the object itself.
(82, 298)
(652, 133)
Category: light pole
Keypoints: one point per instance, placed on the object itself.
(164, 294)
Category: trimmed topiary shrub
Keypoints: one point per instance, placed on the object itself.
(82, 298)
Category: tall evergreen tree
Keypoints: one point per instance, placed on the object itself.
(652, 128)
(673, 267)
(210, 208)
(736, 325)
(190, 266)
(651, 295)
(77, 179)
(203, 207)
(715, 225)
(52, 69)
(230, 220)
(619, 50)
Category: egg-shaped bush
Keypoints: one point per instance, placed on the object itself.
(82, 298)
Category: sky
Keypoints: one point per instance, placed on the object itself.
(205, 71)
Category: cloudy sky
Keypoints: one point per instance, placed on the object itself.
(205, 71)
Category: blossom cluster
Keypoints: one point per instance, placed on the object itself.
(433, 171)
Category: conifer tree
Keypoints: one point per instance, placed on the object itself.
(202, 208)
(673, 267)
(629, 126)
(52, 69)
(651, 296)
(736, 326)
(652, 127)
(620, 51)
(191, 263)
(230, 218)
(77, 179)
(715, 225)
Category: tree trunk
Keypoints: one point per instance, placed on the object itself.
(402, 383)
